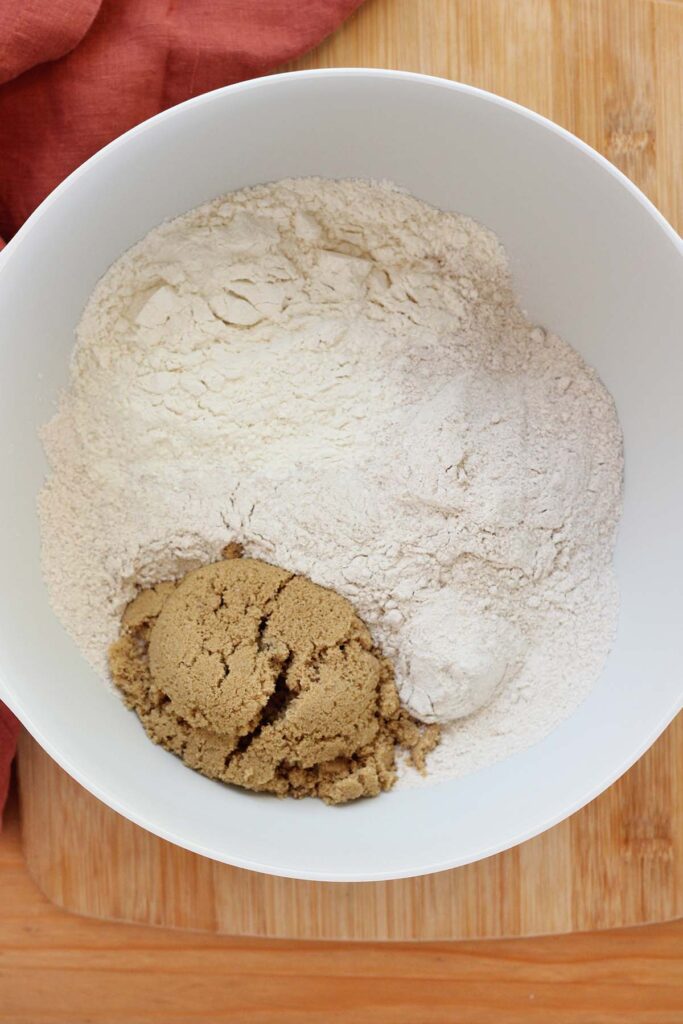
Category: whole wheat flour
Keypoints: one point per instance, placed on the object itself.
(339, 377)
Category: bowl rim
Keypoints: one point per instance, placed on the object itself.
(10, 694)
(363, 72)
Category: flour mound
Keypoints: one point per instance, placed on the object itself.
(339, 377)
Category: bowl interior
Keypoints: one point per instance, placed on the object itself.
(593, 261)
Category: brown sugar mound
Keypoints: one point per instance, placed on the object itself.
(261, 678)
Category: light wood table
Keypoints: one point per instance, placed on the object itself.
(611, 71)
(56, 968)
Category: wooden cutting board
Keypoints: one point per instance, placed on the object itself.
(612, 72)
(617, 862)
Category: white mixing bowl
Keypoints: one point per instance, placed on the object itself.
(593, 260)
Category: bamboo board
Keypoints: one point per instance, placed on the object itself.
(617, 862)
(612, 72)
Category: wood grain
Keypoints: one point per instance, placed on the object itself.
(669, 110)
(611, 71)
(617, 862)
(57, 968)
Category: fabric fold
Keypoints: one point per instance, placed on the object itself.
(33, 31)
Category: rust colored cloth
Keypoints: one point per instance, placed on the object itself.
(9, 730)
(75, 74)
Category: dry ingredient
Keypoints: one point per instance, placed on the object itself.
(339, 377)
(258, 677)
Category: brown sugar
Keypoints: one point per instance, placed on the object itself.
(261, 678)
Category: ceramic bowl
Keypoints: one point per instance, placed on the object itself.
(592, 259)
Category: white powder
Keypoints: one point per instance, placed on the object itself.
(339, 376)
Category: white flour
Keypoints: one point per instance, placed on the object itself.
(338, 376)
